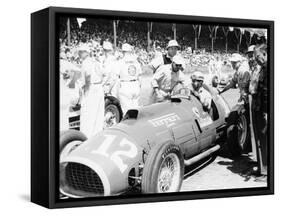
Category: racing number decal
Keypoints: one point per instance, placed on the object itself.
(116, 156)
(131, 153)
(102, 150)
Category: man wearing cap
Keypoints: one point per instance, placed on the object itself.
(92, 105)
(241, 76)
(166, 78)
(164, 59)
(198, 91)
(109, 67)
(254, 69)
(127, 87)
(250, 57)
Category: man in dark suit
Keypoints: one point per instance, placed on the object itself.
(259, 109)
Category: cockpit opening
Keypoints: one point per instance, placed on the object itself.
(131, 114)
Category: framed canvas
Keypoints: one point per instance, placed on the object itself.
(138, 107)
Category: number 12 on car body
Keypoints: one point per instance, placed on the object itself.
(117, 156)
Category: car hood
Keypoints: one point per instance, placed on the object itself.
(154, 119)
(110, 155)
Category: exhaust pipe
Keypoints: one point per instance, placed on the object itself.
(201, 155)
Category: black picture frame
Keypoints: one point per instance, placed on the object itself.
(45, 115)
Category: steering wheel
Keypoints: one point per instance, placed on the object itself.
(182, 92)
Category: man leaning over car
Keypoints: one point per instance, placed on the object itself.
(166, 78)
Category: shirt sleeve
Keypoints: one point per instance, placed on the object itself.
(234, 79)
(157, 62)
(73, 67)
(139, 70)
(87, 68)
(183, 80)
(205, 98)
(159, 74)
(99, 69)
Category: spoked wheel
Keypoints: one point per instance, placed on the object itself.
(238, 135)
(242, 131)
(112, 115)
(169, 174)
(163, 169)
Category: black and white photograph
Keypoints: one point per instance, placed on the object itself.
(138, 108)
(149, 107)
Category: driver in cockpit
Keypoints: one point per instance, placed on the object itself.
(198, 90)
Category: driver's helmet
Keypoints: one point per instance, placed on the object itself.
(197, 76)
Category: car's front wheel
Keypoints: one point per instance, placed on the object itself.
(163, 170)
(69, 139)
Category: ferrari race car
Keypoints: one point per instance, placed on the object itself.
(150, 147)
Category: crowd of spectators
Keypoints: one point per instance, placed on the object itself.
(95, 32)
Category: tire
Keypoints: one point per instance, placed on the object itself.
(243, 132)
(232, 141)
(154, 168)
(69, 136)
(238, 135)
(112, 108)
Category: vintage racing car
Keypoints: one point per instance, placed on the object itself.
(150, 147)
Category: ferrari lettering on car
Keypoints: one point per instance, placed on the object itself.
(168, 120)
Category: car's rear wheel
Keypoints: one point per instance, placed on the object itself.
(243, 132)
(238, 135)
(163, 170)
(112, 113)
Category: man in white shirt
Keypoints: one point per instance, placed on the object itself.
(92, 105)
(109, 66)
(128, 86)
(198, 91)
(241, 76)
(167, 58)
(166, 78)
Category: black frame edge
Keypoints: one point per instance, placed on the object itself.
(40, 155)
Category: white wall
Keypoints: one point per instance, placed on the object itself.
(15, 106)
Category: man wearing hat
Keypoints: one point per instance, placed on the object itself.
(92, 105)
(250, 57)
(109, 66)
(164, 59)
(127, 87)
(198, 91)
(241, 76)
(254, 69)
(166, 78)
